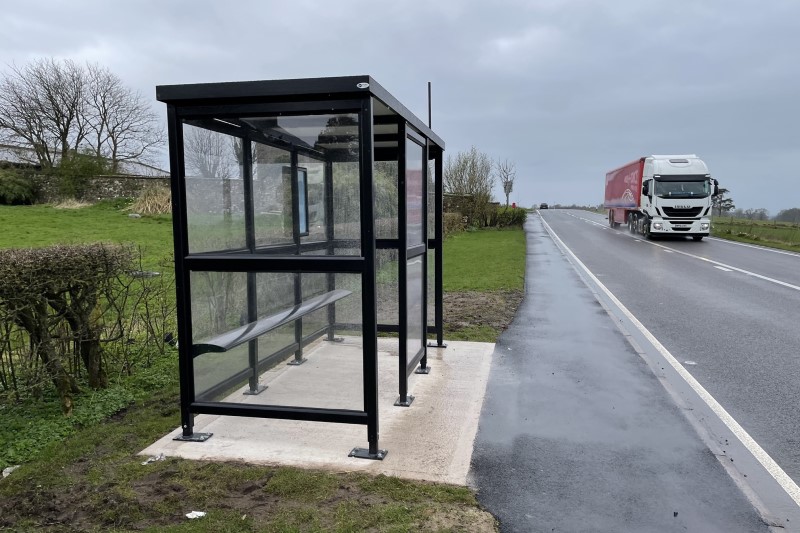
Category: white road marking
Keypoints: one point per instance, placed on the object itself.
(668, 251)
(730, 267)
(723, 268)
(762, 248)
(777, 473)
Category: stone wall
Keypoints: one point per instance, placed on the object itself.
(98, 188)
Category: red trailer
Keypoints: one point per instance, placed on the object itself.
(623, 191)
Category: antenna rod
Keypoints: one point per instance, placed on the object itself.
(429, 104)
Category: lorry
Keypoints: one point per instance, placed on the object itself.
(662, 195)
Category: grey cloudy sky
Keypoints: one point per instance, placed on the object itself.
(565, 89)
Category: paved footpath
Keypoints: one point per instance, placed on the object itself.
(577, 434)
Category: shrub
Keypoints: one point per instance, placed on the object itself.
(15, 189)
(508, 216)
(74, 171)
(52, 303)
(453, 223)
(153, 200)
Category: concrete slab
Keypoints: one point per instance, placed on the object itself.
(431, 440)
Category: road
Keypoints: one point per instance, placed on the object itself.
(729, 313)
(586, 426)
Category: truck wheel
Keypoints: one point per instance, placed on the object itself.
(697, 238)
(631, 224)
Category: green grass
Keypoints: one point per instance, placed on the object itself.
(77, 475)
(96, 476)
(485, 260)
(781, 235)
(42, 225)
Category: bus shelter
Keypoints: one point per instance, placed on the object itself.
(307, 219)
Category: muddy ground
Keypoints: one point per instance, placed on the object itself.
(465, 311)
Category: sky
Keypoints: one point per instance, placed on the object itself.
(564, 89)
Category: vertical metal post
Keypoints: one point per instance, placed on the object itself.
(329, 237)
(250, 240)
(404, 400)
(298, 279)
(368, 278)
(182, 286)
(423, 362)
(439, 252)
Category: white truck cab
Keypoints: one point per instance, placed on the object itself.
(675, 197)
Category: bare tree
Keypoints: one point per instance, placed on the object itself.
(42, 108)
(469, 176)
(506, 171)
(123, 126)
(51, 108)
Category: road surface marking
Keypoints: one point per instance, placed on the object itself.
(668, 251)
(762, 248)
(730, 267)
(723, 268)
(777, 473)
(723, 265)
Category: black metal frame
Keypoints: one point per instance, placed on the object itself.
(226, 104)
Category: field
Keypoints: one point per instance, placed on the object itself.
(782, 235)
(81, 474)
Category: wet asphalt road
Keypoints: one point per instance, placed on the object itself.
(740, 330)
(577, 433)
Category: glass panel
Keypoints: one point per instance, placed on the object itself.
(331, 376)
(302, 200)
(315, 198)
(431, 200)
(272, 195)
(386, 265)
(431, 289)
(214, 190)
(415, 232)
(415, 303)
(219, 304)
(386, 200)
(347, 206)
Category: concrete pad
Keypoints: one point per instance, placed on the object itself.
(431, 440)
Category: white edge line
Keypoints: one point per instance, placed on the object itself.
(756, 247)
(777, 473)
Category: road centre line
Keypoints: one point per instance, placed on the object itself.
(723, 268)
(774, 470)
(730, 267)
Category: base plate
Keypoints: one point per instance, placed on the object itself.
(407, 403)
(259, 390)
(363, 453)
(194, 437)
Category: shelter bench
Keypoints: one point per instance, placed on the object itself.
(235, 337)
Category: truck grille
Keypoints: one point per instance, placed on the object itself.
(682, 213)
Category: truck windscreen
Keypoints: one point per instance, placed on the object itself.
(681, 187)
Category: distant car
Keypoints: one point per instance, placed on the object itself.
(543, 206)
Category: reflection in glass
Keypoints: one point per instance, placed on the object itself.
(214, 190)
(415, 303)
(415, 232)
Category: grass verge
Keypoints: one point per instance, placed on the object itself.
(93, 481)
(782, 235)
(484, 274)
(82, 474)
